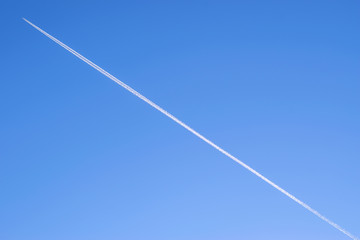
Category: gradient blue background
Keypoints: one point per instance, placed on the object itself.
(276, 83)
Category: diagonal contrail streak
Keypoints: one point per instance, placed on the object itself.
(193, 131)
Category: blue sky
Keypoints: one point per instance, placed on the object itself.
(276, 83)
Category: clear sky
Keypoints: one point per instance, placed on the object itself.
(276, 83)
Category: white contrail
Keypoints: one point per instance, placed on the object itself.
(192, 131)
